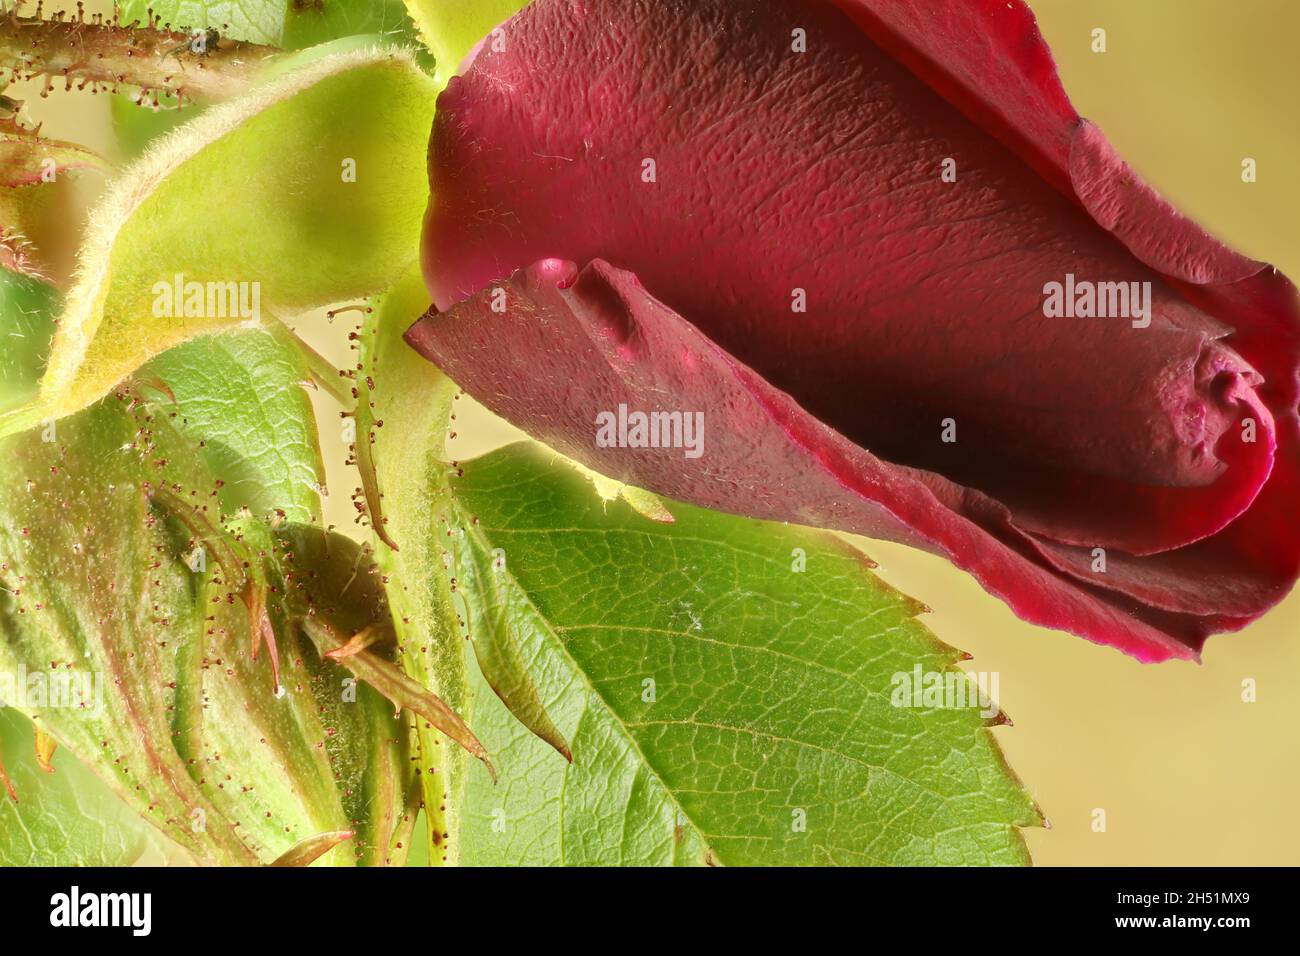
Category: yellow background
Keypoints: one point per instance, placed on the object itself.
(1186, 772)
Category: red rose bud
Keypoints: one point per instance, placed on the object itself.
(912, 292)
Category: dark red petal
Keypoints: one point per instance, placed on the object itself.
(988, 59)
(584, 342)
(1144, 221)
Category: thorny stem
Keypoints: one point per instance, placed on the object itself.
(99, 53)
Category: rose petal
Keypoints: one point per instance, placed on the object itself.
(606, 341)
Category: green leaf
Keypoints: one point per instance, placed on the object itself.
(241, 395)
(495, 612)
(102, 588)
(64, 818)
(288, 24)
(330, 585)
(27, 307)
(723, 705)
(307, 22)
(80, 600)
(450, 30)
(251, 192)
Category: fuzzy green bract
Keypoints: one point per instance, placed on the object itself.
(254, 202)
